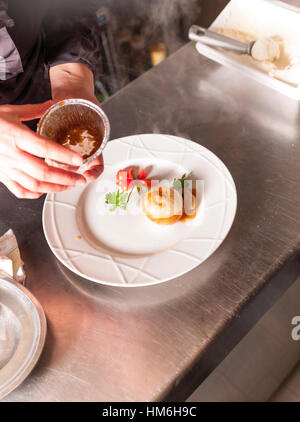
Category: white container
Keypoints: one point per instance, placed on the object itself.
(262, 18)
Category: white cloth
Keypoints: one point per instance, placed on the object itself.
(11, 263)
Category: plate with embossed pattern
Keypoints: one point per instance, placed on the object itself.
(125, 248)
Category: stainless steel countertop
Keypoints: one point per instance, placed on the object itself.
(160, 342)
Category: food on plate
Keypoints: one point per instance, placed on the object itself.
(163, 205)
(126, 181)
(190, 205)
(160, 204)
(188, 192)
(117, 199)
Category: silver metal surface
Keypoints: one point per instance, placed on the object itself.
(157, 343)
(199, 34)
(22, 334)
(74, 110)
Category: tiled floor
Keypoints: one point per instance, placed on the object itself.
(263, 366)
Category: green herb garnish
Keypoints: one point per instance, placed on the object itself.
(180, 183)
(117, 199)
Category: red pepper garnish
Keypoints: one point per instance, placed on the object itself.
(126, 180)
(142, 174)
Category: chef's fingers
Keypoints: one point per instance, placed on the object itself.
(38, 169)
(30, 142)
(61, 166)
(19, 191)
(93, 173)
(95, 170)
(27, 111)
(97, 162)
(33, 184)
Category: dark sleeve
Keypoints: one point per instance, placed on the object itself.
(71, 33)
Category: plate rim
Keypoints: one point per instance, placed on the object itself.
(16, 381)
(156, 282)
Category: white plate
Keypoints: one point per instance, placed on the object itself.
(129, 250)
(22, 334)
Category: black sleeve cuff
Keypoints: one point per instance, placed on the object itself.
(73, 40)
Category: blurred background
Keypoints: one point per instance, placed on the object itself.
(138, 34)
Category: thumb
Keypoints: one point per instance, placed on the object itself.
(29, 111)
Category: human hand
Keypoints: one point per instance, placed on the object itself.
(96, 166)
(75, 80)
(22, 152)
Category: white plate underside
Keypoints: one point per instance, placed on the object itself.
(128, 250)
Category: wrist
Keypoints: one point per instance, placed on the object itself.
(72, 80)
(63, 94)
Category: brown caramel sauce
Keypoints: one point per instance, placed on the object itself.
(162, 221)
(74, 124)
(177, 217)
(74, 135)
(185, 217)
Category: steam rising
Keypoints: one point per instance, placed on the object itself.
(138, 24)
